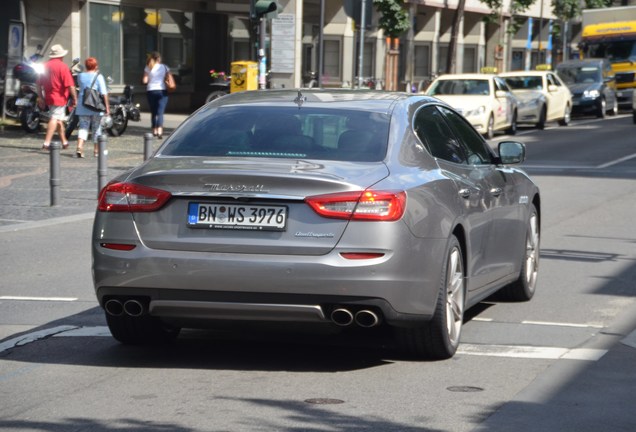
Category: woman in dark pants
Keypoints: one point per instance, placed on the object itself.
(154, 78)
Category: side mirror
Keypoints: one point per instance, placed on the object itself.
(552, 88)
(511, 152)
(500, 94)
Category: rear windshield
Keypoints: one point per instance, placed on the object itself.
(282, 132)
(524, 82)
(460, 87)
(580, 74)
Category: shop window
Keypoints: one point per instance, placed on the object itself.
(331, 66)
(422, 61)
(470, 59)
(105, 39)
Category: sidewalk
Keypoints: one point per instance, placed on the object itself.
(25, 172)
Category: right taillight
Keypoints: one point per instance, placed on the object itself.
(368, 205)
(131, 197)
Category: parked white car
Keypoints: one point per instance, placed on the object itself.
(543, 97)
(485, 100)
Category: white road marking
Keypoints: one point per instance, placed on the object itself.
(531, 352)
(617, 161)
(21, 298)
(561, 324)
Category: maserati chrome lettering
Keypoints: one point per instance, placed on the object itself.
(218, 187)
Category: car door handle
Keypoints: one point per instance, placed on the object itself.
(496, 191)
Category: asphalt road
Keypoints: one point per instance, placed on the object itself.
(564, 361)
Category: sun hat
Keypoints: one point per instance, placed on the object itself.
(57, 51)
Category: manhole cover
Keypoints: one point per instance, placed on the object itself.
(324, 401)
(464, 389)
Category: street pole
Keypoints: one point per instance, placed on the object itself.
(363, 20)
(262, 58)
(321, 51)
(54, 172)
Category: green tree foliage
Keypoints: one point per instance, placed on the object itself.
(568, 9)
(394, 19)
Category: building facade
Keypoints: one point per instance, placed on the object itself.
(196, 36)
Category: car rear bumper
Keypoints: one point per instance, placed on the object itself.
(200, 287)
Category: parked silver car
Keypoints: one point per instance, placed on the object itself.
(342, 208)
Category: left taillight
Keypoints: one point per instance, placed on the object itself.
(131, 197)
(368, 205)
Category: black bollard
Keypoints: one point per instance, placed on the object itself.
(54, 178)
(148, 138)
(102, 163)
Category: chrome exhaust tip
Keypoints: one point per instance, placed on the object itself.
(367, 318)
(342, 317)
(114, 307)
(134, 308)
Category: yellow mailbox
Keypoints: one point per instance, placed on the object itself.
(244, 76)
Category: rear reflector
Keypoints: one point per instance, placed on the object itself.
(366, 205)
(131, 197)
(361, 255)
(118, 246)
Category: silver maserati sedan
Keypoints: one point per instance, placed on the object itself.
(340, 208)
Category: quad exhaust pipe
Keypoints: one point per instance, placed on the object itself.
(132, 307)
(364, 318)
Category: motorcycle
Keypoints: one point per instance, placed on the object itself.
(122, 109)
(24, 106)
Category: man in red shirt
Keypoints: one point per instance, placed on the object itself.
(57, 83)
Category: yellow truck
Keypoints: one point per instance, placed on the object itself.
(611, 33)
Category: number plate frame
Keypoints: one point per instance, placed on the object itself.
(247, 217)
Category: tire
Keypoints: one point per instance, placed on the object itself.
(601, 108)
(523, 288)
(542, 118)
(30, 120)
(71, 125)
(614, 111)
(490, 128)
(512, 130)
(215, 95)
(120, 122)
(439, 338)
(567, 116)
(142, 330)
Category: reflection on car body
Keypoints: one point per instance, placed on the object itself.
(350, 209)
(592, 84)
(543, 97)
(484, 99)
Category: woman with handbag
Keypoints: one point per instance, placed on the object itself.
(90, 108)
(159, 81)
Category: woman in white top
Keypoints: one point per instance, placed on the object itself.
(154, 78)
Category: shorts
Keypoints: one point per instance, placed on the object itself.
(57, 112)
(92, 123)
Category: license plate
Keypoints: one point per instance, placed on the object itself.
(237, 216)
(22, 101)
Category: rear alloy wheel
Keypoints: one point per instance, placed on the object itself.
(140, 330)
(439, 338)
(601, 108)
(523, 288)
(567, 116)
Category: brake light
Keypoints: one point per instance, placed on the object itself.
(131, 197)
(366, 205)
